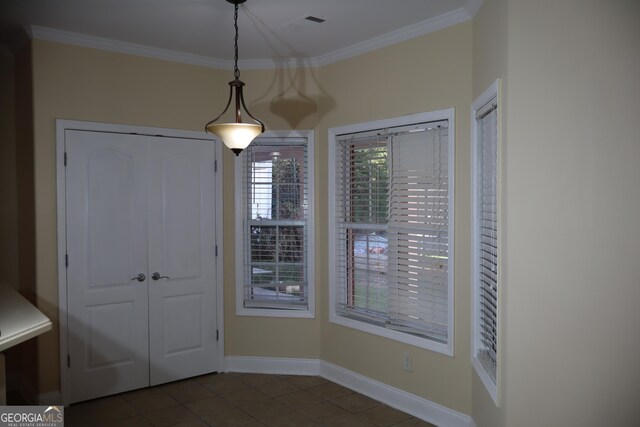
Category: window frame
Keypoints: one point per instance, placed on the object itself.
(491, 93)
(334, 316)
(240, 215)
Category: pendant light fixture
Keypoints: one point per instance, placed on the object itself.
(237, 135)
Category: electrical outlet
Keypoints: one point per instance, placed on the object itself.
(406, 362)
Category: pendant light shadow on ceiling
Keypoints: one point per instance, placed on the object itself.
(237, 135)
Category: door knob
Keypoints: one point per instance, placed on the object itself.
(157, 276)
(140, 277)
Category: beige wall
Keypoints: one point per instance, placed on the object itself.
(22, 359)
(429, 73)
(573, 204)
(572, 279)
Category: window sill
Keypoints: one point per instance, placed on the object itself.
(492, 389)
(266, 312)
(425, 343)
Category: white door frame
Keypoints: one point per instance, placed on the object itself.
(61, 127)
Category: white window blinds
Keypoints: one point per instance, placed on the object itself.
(275, 231)
(392, 225)
(486, 238)
(362, 203)
(418, 232)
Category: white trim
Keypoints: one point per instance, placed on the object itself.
(309, 313)
(391, 396)
(436, 23)
(273, 365)
(219, 242)
(77, 39)
(117, 46)
(490, 92)
(493, 91)
(27, 392)
(334, 317)
(412, 31)
(61, 127)
(399, 399)
(62, 250)
(472, 7)
(482, 373)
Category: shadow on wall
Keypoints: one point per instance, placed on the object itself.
(22, 360)
(23, 367)
(292, 102)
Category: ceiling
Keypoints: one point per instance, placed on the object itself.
(201, 31)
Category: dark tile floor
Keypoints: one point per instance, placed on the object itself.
(249, 400)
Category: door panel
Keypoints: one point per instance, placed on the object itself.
(109, 175)
(181, 212)
(178, 310)
(110, 320)
(107, 246)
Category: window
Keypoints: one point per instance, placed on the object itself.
(391, 228)
(274, 266)
(486, 237)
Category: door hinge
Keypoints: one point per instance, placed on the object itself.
(217, 335)
(65, 158)
(66, 260)
(216, 250)
(215, 166)
(68, 360)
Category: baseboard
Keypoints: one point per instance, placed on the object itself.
(272, 365)
(28, 394)
(391, 396)
(399, 399)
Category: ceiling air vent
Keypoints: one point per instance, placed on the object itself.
(314, 19)
(303, 23)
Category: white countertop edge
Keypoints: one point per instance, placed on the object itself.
(15, 339)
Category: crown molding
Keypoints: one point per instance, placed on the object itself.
(262, 64)
(472, 7)
(66, 37)
(416, 30)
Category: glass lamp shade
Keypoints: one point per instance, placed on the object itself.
(236, 136)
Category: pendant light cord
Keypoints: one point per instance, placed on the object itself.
(235, 87)
(236, 71)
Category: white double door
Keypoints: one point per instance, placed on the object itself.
(140, 275)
